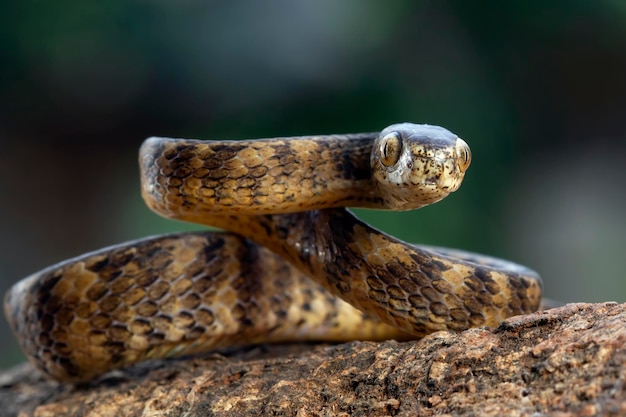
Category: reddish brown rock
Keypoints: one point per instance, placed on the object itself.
(566, 361)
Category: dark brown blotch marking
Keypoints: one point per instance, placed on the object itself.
(140, 326)
(229, 152)
(211, 164)
(194, 333)
(65, 316)
(396, 292)
(205, 316)
(375, 283)
(473, 283)
(439, 309)
(431, 294)
(100, 321)
(432, 271)
(484, 297)
(385, 276)
(378, 296)
(442, 286)
(96, 291)
(53, 304)
(258, 172)
(473, 306)
(408, 286)
(119, 333)
(147, 309)
(396, 269)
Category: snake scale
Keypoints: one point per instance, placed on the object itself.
(293, 264)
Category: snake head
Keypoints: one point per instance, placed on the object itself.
(416, 165)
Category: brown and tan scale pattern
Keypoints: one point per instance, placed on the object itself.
(172, 295)
(258, 177)
(281, 200)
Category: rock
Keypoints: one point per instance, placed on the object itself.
(569, 360)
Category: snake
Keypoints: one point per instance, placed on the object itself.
(292, 263)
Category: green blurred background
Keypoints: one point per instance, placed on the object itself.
(538, 90)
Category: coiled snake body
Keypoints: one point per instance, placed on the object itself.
(281, 201)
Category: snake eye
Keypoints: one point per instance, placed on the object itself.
(390, 148)
(463, 153)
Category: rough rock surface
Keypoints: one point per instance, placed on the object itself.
(565, 361)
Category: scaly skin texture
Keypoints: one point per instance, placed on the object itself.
(171, 295)
(281, 200)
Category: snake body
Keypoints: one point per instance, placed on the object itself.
(294, 265)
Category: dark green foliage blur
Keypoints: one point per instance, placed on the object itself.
(537, 89)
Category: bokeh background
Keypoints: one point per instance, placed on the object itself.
(538, 90)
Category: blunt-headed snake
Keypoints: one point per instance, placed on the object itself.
(293, 264)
